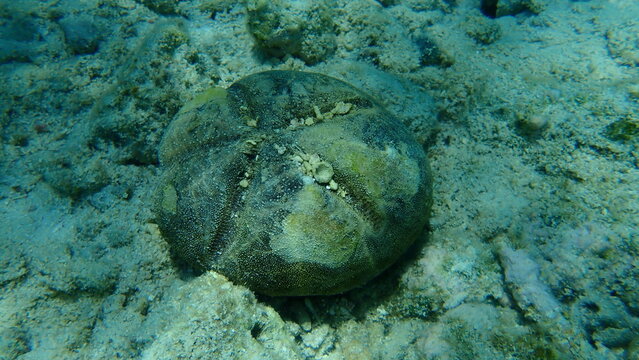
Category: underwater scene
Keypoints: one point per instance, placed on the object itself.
(328, 179)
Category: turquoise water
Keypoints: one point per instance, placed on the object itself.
(527, 110)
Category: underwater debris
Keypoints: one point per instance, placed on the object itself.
(625, 130)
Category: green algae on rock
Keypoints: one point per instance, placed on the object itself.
(291, 183)
(302, 29)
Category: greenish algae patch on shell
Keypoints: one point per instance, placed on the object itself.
(291, 183)
(330, 241)
(169, 199)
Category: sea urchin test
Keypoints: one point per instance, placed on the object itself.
(291, 183)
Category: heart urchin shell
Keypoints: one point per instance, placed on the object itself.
(291, 183)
